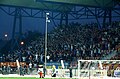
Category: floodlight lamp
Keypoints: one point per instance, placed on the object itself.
(48, 20)
(22, 43)
(6, 35)
(47, 13)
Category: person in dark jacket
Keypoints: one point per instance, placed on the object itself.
(70, 69)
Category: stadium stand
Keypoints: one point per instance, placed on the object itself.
(69, 43)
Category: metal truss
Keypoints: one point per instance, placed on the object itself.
(70, 13)
(77, 12)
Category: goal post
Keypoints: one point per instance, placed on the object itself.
(90, 69)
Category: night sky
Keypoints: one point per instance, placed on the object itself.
(28, 23)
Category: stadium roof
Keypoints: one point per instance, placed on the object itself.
(33, 4)
(57, 5)
(90, 3)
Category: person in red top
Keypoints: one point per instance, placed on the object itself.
(41, 74)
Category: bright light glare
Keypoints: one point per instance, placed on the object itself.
(6, 35)
(22, 43)
(47, 13)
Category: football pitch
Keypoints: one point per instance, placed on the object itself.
(31, 78)
(50, 78)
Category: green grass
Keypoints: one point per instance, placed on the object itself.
(17, 78)
(31, 78)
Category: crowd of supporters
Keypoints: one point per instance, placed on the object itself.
(70, 43)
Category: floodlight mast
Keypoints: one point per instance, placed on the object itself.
(46, 28)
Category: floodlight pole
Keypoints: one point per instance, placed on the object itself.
(46, 27)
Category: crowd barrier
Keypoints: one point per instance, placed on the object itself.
(12, 64)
